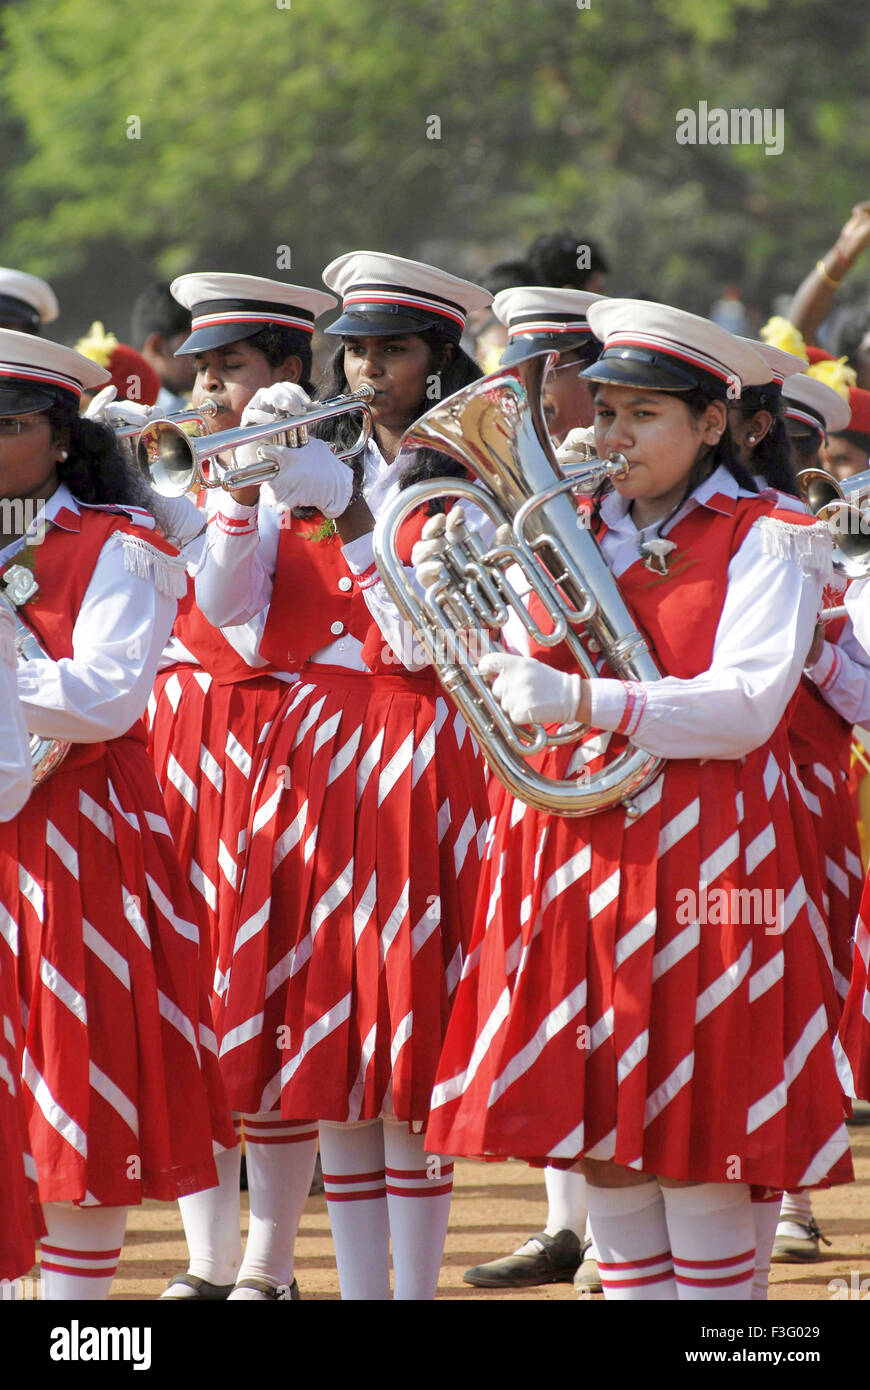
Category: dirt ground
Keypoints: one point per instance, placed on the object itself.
(495, 1207)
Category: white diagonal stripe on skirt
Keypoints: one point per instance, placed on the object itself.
(114, 1096)
(556, 1020)
(455, 1085)
(56, 1116)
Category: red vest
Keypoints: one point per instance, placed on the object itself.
(678, 612)
(316, 599)
(63, 566)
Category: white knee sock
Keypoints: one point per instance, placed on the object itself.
(419, 1187)
(631, 1237)
(566, 1202)
(212, 1226)
(712, 1236)
(353, 1177)
(765, 1216)
(280, 1158)
(795, 1213)
(80, 1253)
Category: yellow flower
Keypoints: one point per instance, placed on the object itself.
(781, 333)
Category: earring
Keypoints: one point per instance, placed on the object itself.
(753, 439)
(64, 455)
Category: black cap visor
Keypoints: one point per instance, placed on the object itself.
(384, 321)
(220, 335)
(525, 346)
(25, 400)
(14, 313)
(652, 371)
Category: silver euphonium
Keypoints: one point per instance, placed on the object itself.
(845, 506)
(495, 427)
(46, 754)
(171, 459)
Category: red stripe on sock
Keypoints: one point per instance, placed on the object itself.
(79, 1273)
(446, 1169)
(354, 1177)
(635, 1283)
(636, 1264)
(375, 1193)
(80, 1254)
(715, 1283)
(433, 1190)
(715, 1264)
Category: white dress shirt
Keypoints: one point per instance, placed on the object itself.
(235, 576)
(762, 638)
(16, 773)
(119, 633)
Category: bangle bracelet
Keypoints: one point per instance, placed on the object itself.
(820, 267)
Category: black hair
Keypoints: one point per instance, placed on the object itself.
(96, 470)
(860, 441)
(155, 311)
(554, 259)
(771, 456)
(806, 446)
(507, 275)
(852, 328)
(459, 371)
(277, 343)
(722, 454)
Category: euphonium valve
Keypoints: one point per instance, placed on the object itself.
(495, 428)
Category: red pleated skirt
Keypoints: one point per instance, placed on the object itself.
(203, 740)
(838, 854)
(20, 1215)
(122, 1090)
(619, 1002)
(363, 856)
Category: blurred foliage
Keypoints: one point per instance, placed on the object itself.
(306, 126)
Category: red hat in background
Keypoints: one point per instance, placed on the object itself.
(817, 354)
(859, 405)
(131, 375)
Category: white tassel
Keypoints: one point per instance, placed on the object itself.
(811, 546)
(168, 572)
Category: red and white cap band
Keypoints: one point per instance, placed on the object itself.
(392, 295)
(18, 375)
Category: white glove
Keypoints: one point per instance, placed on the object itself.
(578, 446)
(102, 410)
(439, 532)
(309, 477)
(265, 407)
(182, 520)
(281, 398)
(530, 692)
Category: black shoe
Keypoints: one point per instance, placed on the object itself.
(288, 1292)
(542, 1260)
(203, 1290)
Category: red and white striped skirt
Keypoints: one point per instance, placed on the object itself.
(838, 852)
(203, 740)
(619, 1002)
(20, 1215)
(122, 1089)
(364, 844)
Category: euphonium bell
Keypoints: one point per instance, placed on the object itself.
(172, 462)
(495, 428)
(844, 507)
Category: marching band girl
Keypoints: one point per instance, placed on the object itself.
(370, 804)
(539, 318)
(684, 1055)
(18, 1211)
(213, 703)
(122, 1093)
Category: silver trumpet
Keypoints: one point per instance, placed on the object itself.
(844, 506)
(495, 428)
(194, 418)
(172, 461)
